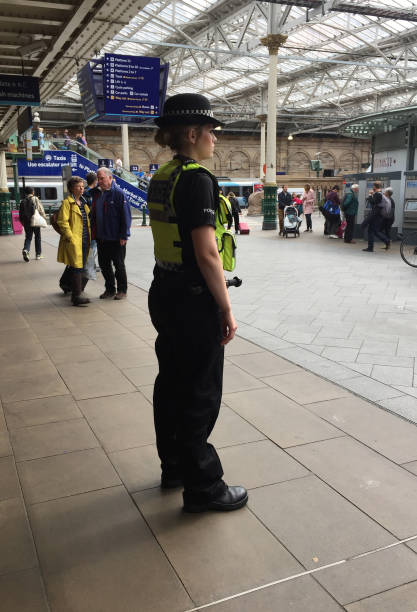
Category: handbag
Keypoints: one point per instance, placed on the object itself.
(90, 267)
(37, 220)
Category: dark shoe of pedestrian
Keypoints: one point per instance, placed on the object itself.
(311, 230)
(79, 301)
(350, 241)
(307, 230)
(388, 245)
(120, 295)
(106, 295)
(233, 498)
(25, 255)
(368, 250)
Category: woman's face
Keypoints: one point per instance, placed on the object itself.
(78, 190)
(204, 145)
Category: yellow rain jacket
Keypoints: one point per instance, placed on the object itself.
(70, 221)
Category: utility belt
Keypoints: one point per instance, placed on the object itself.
(181, 280)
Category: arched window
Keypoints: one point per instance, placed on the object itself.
(348, 162)
(239, 163)
(214, 164)
(327, 161)
(141, 158)
(299, 163)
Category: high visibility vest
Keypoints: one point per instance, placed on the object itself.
(163, 219)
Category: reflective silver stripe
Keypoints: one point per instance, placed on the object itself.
(167, 265)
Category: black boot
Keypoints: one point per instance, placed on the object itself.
(76, 285)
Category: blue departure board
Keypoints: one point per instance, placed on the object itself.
(131, 85)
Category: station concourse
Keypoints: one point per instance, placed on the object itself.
(319, 408)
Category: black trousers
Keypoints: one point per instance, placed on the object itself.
(350, 225)
(235, 219)
(29, 232)
(188, 388)
(386, 227)
(112, 253)
(374, 231)
(308, 220)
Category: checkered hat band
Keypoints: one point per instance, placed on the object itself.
(208, 113)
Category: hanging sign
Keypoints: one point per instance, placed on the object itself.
(19, 90)
(131, 85)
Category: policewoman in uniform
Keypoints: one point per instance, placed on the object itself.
(190, 308)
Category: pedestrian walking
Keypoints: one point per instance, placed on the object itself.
(374, 220)
(236, 210)
(74, 225)
(189, 307)
(331, 212)
(27, 208)
(350, 206)
(284, 199)
(387, 222)
(309, 200)
(111, 220)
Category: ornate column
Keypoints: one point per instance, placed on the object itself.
(262, 119)
(269, 204)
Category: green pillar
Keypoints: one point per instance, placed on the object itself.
(269, 207)
(5, 214)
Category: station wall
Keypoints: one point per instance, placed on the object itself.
(238, 154)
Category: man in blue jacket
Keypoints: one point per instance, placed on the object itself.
(111, 228)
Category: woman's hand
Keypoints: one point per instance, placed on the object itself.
(229, 327)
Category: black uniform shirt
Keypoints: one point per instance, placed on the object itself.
(195, 205)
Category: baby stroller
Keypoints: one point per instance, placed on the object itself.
(292, 222)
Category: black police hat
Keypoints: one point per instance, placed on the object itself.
(187, 109)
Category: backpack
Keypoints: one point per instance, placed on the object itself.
(331, 208)
(226, 242)
(54, 223)
(385, 207)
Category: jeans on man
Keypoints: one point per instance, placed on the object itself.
(374, 231)
(112, 253)
(308, 221)
(29, 232)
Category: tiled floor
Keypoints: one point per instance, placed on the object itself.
(84, 526)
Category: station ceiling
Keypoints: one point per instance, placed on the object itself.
(342, 60)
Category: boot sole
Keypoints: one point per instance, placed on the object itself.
(195, 508)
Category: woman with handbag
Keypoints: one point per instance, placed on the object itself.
(74, 226)
(32, 217)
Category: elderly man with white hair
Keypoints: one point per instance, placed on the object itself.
(111, 228)
(350, 206)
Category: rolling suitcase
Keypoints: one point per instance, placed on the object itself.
(244, 228)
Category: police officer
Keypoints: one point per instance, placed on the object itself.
(189, 307)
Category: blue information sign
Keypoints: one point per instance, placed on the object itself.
(19, 90)
(131, 85)
(153, 168)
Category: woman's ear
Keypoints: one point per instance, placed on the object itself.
(192, 135)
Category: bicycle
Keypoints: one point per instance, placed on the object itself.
(408, 249)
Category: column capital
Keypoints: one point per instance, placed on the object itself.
(262, 118)
(274, 42)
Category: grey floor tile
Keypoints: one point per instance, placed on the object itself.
(405, 406)
(384, 432)
(22, 592)
(297, 595)
(145, 332)
(370, 575)
(369, 388)
(231, 429)
(315, 523)
(32, 388)
(43, 368)
(305, 388)
(263, 364)
(190, 540)
(340, 353)
(99, 542)
(258, 464)
(9, 482)
(129, 357)
(141, 375)
(5, 448)
(279, 418)
(31, 351)
(120, 421)
(240, 346)
(139, 468)
(385, 491)
(411, 467)
(68, 341)
(236, 379)
(399, 599)
(393, 375)
(79, 354)
(16, 544)
(40, 411)
(52, 439)
(118, 342)
(94, 379)
(147, 391)
(68, 474)
(101, 328)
